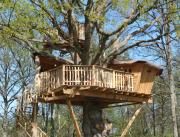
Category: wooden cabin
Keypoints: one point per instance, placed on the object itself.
(121, 81)
(144, 73)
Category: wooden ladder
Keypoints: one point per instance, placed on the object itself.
(26, 125)
(23, 117)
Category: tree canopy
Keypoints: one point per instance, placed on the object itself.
(97, 31)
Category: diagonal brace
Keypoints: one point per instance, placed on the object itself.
(131, 121)
(78, 131)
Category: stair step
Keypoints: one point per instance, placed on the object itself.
(24, 116)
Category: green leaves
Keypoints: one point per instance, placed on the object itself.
(175, 17)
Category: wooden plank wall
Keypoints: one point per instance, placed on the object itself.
(143, 77)
(147, 80)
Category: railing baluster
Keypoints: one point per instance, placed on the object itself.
(69, 78)
(92, 82)
(89, 75)
(113, 79)
(84, 75)
(123, 81)
(84, 78)
(129, 82)
(78, 75)
(63, 75)
(101, 80)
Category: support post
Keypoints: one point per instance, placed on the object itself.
(93, 76)
(34, 112)
(74, 118)
(114, 80)
(63, 75)
(34, 119)
(131, 121)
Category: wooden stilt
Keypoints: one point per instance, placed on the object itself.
(34, 119)
(131, 122)
(74, 118)
(34, 111)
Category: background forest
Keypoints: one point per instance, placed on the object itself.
(123, 29)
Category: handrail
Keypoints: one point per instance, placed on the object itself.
(27, 123)
(42, 132)
(23, 120)
(87, 66)
(84, 75)
(24, 129)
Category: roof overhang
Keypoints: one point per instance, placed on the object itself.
(47, 62)
(116, 63)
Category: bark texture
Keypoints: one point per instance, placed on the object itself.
(172, 89)
(170, 71)
(5, 120)
(94, 122)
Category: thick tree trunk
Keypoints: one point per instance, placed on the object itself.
(169, 60)
(94, 122)
(173, 93)
(171, 83)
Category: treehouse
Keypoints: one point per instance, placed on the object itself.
(144, 73)
(60, 81)
(121, 81)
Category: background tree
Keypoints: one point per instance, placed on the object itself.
(15, 76)
(163, 50)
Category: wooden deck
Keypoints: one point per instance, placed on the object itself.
(80, 82)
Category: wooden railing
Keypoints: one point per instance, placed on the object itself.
(25, 124)
(23, 115)
(82, 75)
(26, 99)
(24, 129)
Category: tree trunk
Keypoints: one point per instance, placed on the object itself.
(47, 118)
(154, 119)
(93, 120)
(34, 112)
(52, 121)
(162, 118)
(169, 60)
(5, 120)
(173, 93)
(171, 82)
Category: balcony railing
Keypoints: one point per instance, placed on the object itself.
(82, 75)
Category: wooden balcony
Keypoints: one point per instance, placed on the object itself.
(81, 81)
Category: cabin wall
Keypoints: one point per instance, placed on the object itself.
(136, 70)
(143, 74)
(147, 79)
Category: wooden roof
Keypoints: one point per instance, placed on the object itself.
(117, 63)
(48, 62)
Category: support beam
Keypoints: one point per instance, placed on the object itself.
(121, 105)
(34, 112)
(78, 131)
(106, 95)
(131, 121)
